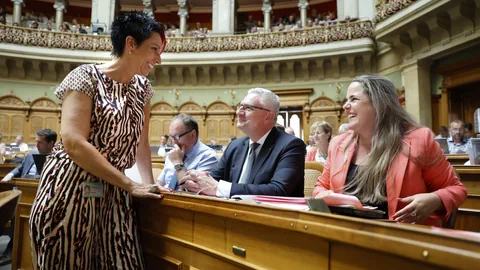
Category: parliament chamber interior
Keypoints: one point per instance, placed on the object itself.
(219, 59)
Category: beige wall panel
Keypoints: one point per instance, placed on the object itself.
(17, 126)
(35, 123)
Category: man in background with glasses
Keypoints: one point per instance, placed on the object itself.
(188, 152)
(265, 162)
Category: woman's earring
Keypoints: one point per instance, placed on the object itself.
(130, 52)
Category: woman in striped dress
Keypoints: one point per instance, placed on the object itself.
(82, 217)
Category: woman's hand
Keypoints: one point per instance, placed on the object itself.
(323, 194)
(419, 208)
(146, 191)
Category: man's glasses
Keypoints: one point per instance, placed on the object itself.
(250, 108)
(177, 137)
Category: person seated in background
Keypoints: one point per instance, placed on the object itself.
(457, 144)
(45, 139)
(20, 144)
(280, 127)
(214, 144)
(188, 152)
(468, 130)
(443, 133)
(321, 133)
(388, 160)
(265, 162)
(290, 131)
(343, 129)
(163, 144)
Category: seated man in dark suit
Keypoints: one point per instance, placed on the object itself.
(266, 162)
(45, 141)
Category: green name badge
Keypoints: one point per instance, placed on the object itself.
(92, 190)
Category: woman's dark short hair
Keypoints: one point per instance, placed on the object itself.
(138, 25)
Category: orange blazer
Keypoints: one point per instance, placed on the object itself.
(404, 177)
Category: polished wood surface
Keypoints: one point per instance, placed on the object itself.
(193, 232)
(6, 168)
(468, 215)
(459, 159)
(21, 256)
(184, 231)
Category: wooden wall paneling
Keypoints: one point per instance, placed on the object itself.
(220, 122)
(198, 113)
(161, 115)
(44, 113)
(325, 109)
(13, 113)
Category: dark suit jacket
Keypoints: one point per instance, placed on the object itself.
(278, 170)
(23, 169)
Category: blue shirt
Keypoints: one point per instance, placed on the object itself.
(460, 148)
(200, 158)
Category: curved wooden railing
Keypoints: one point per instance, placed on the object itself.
(314, 35)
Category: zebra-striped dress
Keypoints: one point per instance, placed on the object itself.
(69, 231)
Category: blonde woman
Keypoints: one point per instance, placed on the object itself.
(321, 134)
(388, 160)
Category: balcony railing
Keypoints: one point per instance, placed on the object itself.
(386, 8)
(314, 35)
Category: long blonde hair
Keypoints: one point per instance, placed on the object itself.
(391, 123)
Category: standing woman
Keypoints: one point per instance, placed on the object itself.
(388, 160)
(83, 216)
(321, 134)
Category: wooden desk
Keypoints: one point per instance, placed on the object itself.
(457, 159)
(6, 168)
(21, 256)
(158, 159)
(189, 232)
(468, 215)
(185, 232)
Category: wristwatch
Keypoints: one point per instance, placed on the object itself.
(178, 166)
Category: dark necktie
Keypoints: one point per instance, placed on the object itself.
(245, 178)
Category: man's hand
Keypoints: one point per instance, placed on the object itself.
(176, 154)
(202, 182)
(7, 178)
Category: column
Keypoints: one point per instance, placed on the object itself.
(183, 13)
(149, 8)
(416, 80)
(267, 10)
(103, 13)
(60, 8)
(362, 9)
(223, 17)
(17, 11)
(302, 5)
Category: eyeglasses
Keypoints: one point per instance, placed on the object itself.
(250, 108)
(177, 137)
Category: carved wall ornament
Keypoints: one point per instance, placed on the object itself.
(386, 9)
(12, 101)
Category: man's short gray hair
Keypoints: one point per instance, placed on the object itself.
(268, 98)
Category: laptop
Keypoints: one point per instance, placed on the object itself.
(39, 160)
(443, 144)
